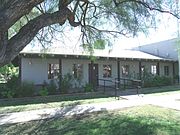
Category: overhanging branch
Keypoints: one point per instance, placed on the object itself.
(146, 5)
(29, 31)
(14, 11)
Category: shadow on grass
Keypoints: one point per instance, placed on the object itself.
(100, 123)
(50, 99)
(70, 110)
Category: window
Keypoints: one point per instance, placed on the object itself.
(142, 69)
(107, 70)
(53, 71)
(125, 70)
(153, 69)
(166, 70)
(77, 71)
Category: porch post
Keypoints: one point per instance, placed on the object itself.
(173, 72)
(60, 73)
(158, 68)
(91, 73)
(118, 72)
(20, 69)
(140, 71)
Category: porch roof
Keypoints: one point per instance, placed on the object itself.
(122, 54)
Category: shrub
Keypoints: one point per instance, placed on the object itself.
(51, 87)
(157, 81)
(13, 82)
(88, 88)
(6, 92)
(27, 89)
(66, 83)
(9, 89)
(43, 92)
(7, 72)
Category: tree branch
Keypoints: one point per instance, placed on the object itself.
(146, 5)
(108, 31)
(29, 31)
(14, 11)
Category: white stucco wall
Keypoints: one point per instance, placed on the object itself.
(161, 66)
(133, 67)
(36, 69)
(67, 66)
(113, 64)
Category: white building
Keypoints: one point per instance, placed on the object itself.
(40, 66)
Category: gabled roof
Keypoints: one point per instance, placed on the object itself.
(165, 49)
(129, 54)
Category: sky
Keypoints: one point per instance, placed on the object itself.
(166, 29)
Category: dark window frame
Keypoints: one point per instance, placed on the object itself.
(125, 70)
(154, 69)
(107, 71)
(166, 70)
(77, 71)
(53, 70)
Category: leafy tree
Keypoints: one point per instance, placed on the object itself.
(7, 72)
(23, 20)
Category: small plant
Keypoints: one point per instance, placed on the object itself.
(27, 89)
(150, 80)
(88, 88)
(51, 87)
(43, 91)
(66, 83)
(7, 93)
(13, 82)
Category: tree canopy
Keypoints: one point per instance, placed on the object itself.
(23, 20)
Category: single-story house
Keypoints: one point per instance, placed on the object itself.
(39, 66)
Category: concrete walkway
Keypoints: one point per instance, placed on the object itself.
(167, 101)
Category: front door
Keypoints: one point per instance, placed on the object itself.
(93, 74)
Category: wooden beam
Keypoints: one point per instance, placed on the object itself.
(60, 73)
(118, 72)
(118, 69)
(173, 72)
(140, 71)
(20, 69)
(158, 68)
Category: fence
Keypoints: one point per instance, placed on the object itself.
(119, 84)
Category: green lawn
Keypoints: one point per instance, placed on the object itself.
(162, 90)
(144, 120)
(26, 104)
(17, 105)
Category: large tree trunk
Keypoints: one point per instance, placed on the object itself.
(9, 49)
(14, 10)
(3, 46)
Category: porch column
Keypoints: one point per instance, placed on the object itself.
(91, 73)
(158, 68)
(60, 73)
(118, 69)
(173, 72)
(118, 72)
(20, 69)
(140, 71)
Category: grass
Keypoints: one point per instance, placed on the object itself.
(162, 90)
(26, 104)
(143, 120)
